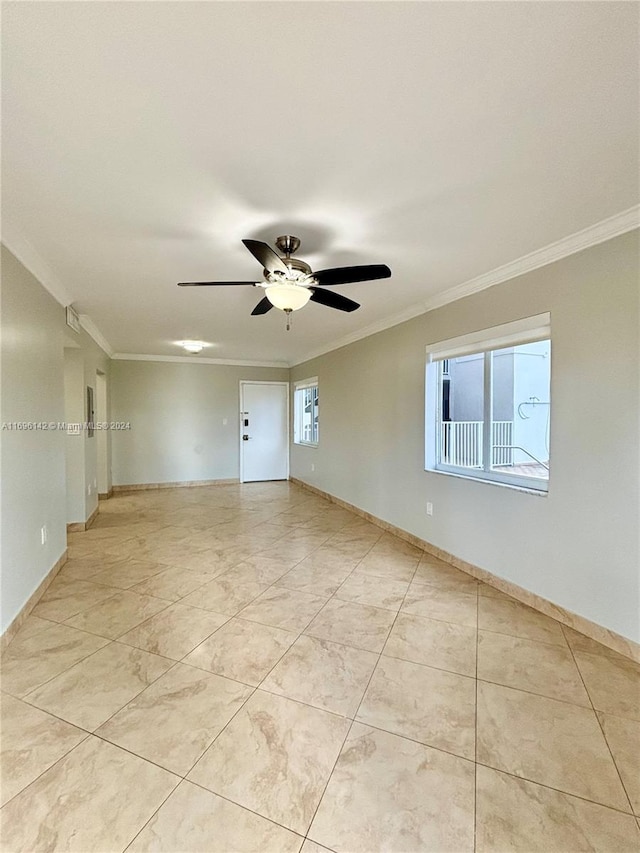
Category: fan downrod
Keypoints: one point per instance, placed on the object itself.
(288, 244)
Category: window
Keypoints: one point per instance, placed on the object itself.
(305, 412)
(488, 404)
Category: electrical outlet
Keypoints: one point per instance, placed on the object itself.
(89, 489)
(43, 534)
(224, 422)
(95, 484)
(429, 508)
(313, 467)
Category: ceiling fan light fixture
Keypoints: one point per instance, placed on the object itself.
(288, 297)
(192, 346)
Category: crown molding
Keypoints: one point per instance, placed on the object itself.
(94, 332)
(602, 231)
(194, 359)
(366, 332)
(606, 229)
(24, 251)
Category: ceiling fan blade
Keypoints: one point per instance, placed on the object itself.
(333, 300)
(347, 275)
(266, 256)
(213, 283)
(262, 307)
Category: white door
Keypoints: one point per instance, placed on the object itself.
(264, 431)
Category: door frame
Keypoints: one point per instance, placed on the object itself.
(244, 382)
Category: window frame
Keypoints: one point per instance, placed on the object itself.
(484, 342)
(298, 404)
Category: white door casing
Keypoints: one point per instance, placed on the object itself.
(264, 420)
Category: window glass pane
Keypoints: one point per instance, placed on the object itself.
(306, 415)
(461, 404)
(521, 410)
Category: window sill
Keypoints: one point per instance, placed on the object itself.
(306, 444)
(539, 493)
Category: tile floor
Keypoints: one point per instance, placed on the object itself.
(250, 668)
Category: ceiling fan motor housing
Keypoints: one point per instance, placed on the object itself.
(288, 244)
(297, 270)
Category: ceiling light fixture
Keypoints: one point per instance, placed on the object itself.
(288, 297)
(192, 346)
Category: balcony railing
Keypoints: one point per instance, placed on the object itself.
(461, 443)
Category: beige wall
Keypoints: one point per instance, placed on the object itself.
(36, 463)
(74, 444)
(95, 359)
(177, 414)
(33, 462)
(578, 546)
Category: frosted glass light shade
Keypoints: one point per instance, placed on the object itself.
(288, 297)
(192, 346)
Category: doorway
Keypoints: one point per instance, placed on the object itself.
(102, 435)
(264, 431)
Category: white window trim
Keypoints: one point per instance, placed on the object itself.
(300, 385)
(524, 331)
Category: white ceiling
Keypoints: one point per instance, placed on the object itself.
(143, 140)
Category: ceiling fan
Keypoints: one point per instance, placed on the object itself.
(289, 283)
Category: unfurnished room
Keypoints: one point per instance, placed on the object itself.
(320, 427)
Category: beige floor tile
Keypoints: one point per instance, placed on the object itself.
(275, 758)
(374, 591)
(92, 801)
(245, 651)
(329, 559)
(285, 550)
(127, 573)
(623, 737)
(283, 608)
(315, 579)
(82, 568)
(546, 741)
(580, 643)
(351, 545)
(520, 817)
(175, 631)
(172, 584)
(396, 567)
(258, 569)
(312, 847)
(224, 596)
(118, 614)
(67, 596)
(389, 793)
(31, 742)
(31, 626)
(356, 625)
(192, 817)
(326, 675)
(613, 683)
(213, 561)
(440, 574)
(432, 706)
(177, 717)
(94, 689)
(391, 544)
(447, 605)
(510, 617)
(32, 660)
(430, 641)
(537, 667)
